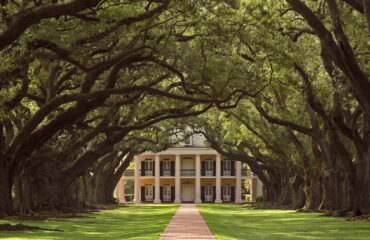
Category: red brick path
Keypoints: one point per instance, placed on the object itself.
(187, 224)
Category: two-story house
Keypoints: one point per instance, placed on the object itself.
(189, 172)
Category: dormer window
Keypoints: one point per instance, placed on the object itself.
(188, 141)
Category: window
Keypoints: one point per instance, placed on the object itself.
(148, 167)
(226, 168)
(149, 164)
(167, 168)
(227, 165)
(209, 165)
(209, 168)
(166, 165)
(188, 141)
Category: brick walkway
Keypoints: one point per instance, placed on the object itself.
(187, 224)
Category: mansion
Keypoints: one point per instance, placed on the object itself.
(189, 172)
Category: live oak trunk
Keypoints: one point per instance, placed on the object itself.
(6, 204)
(298, 198)
(361, 201)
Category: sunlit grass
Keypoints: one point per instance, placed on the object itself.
(130, 222)
(229, 221)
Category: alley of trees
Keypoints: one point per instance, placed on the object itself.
(282, 85)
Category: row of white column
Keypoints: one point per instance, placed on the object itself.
(178, 180)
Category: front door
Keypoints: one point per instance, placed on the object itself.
(208, 193)
(166, 193)
(148, 193)
(226, 193)
(187, 193)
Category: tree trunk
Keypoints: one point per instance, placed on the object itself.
(6, 204)
(24, 201)
(299, 197)
(361, 201)
(312, 192)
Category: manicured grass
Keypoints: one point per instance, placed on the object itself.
(129, 222)
(228, 221)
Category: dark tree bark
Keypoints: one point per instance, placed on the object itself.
(6, 203)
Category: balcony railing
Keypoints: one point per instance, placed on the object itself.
(129, 173)
(166, 172)
(148, 172)
(208, 172)
(228, 172)
(247, 172)
(187, 172)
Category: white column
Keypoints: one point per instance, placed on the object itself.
(238, 185)
(121, 191)
(157, 198)
(253, 188)
(137, 192)
(197, 179)
(177, 180)
(218, 179)
(259, 187)
(116, 193)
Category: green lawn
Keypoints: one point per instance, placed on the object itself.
(129, 222)
(229, 221)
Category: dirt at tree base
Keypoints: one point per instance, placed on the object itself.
(22, 227)
(365, 218)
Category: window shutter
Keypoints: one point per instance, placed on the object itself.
(161, 193)
(232, 168)
(153, 192)
(222, 167)
(233, 194)
(172, 168)
(172, 193)
(214, 193)
(222, 193)
(142, 168)
(161, 168)
(143, 194)
(153, 168)
(203, 168)
(214, 168)
(202, 193)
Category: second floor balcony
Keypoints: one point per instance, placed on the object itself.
(147, 172)
(209, 172)
(187, 172)
(167, 172)
(228, 172)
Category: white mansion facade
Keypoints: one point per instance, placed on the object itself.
(190, 172)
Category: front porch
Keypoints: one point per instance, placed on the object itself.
(187, 192)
